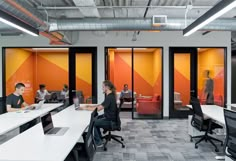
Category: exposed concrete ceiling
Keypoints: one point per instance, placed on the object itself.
(53, 10)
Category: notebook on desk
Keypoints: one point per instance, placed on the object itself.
(48, 127)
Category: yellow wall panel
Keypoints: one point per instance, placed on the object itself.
(14, 59)
(84, 67)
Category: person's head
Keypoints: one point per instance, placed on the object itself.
(126, 87)
(107, 87)
(65, 87)
(207, 73)
(19, 88)
(42, 87)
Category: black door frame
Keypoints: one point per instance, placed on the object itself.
(106, 66)
(193, 79)
(72, 70)
(171, 78)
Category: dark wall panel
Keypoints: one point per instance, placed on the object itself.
(233, 88)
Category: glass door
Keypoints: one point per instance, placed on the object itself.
(137, 74)
(183, 80)
(83, 74)
(147, 83)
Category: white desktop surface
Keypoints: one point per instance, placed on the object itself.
(12, 120)
(214, 112)
(32, 113)
(33, 145)
(8, 124)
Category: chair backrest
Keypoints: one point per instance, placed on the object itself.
(230, 142)
(198, 117)
(118, 121)
(89, 142)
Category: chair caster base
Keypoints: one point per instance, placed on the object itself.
(216, 150)
(196, 146)
(123, 146)
(105, 149)
(122, 139)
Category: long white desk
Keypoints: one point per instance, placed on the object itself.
(8, 124)
(32, 113)
(214, 112)
(33, 145)
(12, 120)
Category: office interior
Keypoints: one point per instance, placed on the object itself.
(162, 68)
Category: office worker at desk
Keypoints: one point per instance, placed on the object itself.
(42, 93)
(15, 101)
(110, 110)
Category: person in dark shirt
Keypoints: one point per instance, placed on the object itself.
(15, 101)
(110, 111)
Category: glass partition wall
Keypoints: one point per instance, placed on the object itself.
(196, 72)
(50, 67)
(140, 71)
(34, 67)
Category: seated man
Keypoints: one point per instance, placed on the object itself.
(65, 92)
(125, 95)
(65, 95)
(15, 102)
(110, 111)
(41, 93)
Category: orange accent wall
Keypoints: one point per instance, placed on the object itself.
(50, 69)
(157, 72)
(182, 76)
(50, 73)
(20, 68)
(147, 71)
(211, 59)
(111, 58)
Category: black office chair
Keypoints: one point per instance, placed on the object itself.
(230, 141)
(115, 126)
(202, 124)
(85, 151)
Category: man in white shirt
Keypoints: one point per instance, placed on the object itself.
(41, 93)
(125, 95)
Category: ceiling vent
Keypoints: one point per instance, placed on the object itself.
(159, 20)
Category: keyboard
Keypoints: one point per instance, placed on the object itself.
(54, 130)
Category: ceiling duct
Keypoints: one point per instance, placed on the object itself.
(28, 14)
(132, 24)
(24, 12)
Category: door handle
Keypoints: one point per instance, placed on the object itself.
(192, 91)
(73, 90)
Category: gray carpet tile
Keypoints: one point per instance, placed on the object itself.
(156, 140)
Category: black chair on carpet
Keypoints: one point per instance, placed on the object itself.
(115, 126)
(202, 123)
(85, 151)
(230, 141)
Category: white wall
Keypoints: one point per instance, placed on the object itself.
(144, 39)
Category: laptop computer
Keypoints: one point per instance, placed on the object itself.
(48, 127)
(35, 107)
(39, 105)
